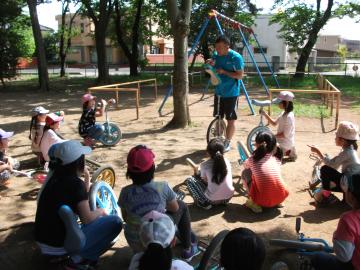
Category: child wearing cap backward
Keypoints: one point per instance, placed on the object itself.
(157, 234)
(65, 187)
(88, 128)
(347, 235)
(144, 195)
(285, 123)
(346, 137)
(50, 136)
(7, 163)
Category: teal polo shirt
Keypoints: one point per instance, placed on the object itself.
(233, 61)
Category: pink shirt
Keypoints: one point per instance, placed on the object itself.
(348, 229)
(215, 192)
(267, 187)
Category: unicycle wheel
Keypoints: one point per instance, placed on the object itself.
(216, 129)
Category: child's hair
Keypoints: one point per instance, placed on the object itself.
(266, 142)
(288, 106)
(242, 249)
(141, 178)
(215, 148)
(351, 142)
(156, 257)
(32, 124)
(85, 105)
(355, 182)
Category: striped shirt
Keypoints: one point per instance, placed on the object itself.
(267, 187)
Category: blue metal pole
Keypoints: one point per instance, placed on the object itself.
(267, 63)
(247, 97)
(254, 61)
(218, 25)
(197, 39)
(168, 94)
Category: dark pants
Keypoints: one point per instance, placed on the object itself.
(182, 220)
(326, 261)
(329, 174)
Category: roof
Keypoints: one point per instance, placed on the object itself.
(45, 28)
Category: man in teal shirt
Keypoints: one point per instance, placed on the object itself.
(229, 66)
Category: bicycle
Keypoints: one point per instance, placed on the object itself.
(303, 247)
(217, 127)
(112, 133)
(243, 152)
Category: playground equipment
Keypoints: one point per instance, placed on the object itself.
(302, 248)
(217, 127)
(213, 14)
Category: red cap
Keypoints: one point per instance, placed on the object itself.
(53, 118)
(140, 159)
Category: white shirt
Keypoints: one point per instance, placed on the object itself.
(215, 192)
(49, 138)
(286, 125)
(175, 264)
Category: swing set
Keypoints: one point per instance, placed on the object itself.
(235, 25)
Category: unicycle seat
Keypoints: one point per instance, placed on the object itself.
(261, 103)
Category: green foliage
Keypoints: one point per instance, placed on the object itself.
(16, 37)
(51, 46)
(342, 51)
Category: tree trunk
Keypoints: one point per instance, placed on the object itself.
(40, 49)
(134, 63)
(103, 68)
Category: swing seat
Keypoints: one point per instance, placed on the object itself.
(214, 77)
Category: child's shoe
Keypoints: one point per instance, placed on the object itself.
(253, 206)
(187, 255)
(89, 142)
(227, 146)
(204, 205)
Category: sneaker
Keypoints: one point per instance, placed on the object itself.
(187, 255)
(204, 205)
(227, 146)
(253, 206)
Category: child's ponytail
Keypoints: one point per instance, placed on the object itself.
(215, 149)
(266, 143)
(32, 124)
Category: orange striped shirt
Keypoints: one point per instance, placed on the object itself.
(267, 187)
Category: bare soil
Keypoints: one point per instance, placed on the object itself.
(172, 147)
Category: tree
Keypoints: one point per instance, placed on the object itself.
(342, 51)
(66, 31)
(40, 49)
(122, 17)
(51, 46)
(180, 27)
(100, 12)
(302, 22)
(16, 38)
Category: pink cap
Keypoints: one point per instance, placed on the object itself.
(348, 131)
(286, 96)
(87, 97)
(53, 118)
(140, 159)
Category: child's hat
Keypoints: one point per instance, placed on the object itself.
(140, 159)
(284, 96)
(157, 228)
(68, 151)
(53, 118)
(87, 97)
(39, 110)
(5, 134)
(348, 131)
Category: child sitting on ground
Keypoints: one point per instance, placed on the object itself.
(145, 195)
(50, 137)
(38, 116)
(157, 234)
(262, 175)
(216, 185)
(347, 135)
(7, 163)
(242, 249)
(285, 135)
(346, 237)
(88, 128)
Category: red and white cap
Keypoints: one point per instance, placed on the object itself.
(53, 118)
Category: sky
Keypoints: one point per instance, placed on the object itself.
(345, 27)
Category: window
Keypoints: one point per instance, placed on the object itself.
(169, 50)
(258, 50)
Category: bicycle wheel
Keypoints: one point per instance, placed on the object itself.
(296, 244)
(250, 142)
(101, 195)
(104, 173)
(243, 152)
(216, 129)
(112, 134)
(211, 256)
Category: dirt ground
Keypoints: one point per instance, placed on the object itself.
(172, 147)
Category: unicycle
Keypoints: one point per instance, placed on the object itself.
(217, 127)
(101, 195)
(112, 133)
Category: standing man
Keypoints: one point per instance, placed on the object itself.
(229, 66)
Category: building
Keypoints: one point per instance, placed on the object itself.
(328, 45)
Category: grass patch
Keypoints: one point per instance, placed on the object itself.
(285, 81)
(306, 110)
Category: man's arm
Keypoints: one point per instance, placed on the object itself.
(238, 74)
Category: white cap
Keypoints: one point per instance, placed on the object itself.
(284, 96)
(39, 110)
(348, 131)
(157, 228)
(68, 151)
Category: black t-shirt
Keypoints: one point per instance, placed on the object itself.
(49, 228)
(87, 121)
